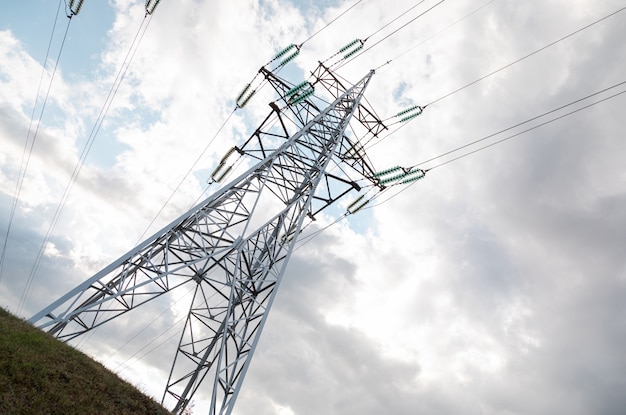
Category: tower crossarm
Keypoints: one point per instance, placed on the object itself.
(350, 152)
(363, 114)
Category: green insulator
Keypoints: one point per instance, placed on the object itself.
(355, 208)
(413, 176)
(412, 179)
(416, 171)
(419, 173)
(149, 9)
(223, 174)
(353, 52)
(409, 117)
(387, 171)
(306, 94)
(409, 110)
(245, 101)
(243, 91)
(284, 51)
(290, 58)
(358, 199)
(349, 45)
(76, 10)
(297, 88)
(393, 178)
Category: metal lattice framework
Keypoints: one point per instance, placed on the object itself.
(234, 247)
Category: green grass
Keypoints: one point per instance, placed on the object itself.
(41, 375)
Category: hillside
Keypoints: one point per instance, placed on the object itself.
(41, 375)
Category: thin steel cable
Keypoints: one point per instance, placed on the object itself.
(26, 153)
(492, 73)
(520, 124)
(528, 55)
(251, 85)
(186, 175)
(147, 326)
(527, 130)
(398, 17)
(442, 30)
(501, 141)
(92, 136)
(372, 34)
(307, 239)
(343, 63)
(124, 364)
(331, 22)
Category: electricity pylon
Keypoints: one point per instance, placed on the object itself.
(234, 246)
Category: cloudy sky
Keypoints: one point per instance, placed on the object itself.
(494, 286)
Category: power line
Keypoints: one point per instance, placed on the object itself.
(443, 30)
(186, 175)
(285, 56)
(26, 158)
(527, 56)
(521, 123)
(308, 238)
(398, 17)
(492, 73)
(394, 32)
(357, 45)
(511, 136)
(331, 22)
(90, 140)
(527, 130)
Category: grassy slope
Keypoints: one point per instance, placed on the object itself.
(41, 375)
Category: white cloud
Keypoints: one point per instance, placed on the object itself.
(495, 285)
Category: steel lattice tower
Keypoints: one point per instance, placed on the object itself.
(234, 246)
